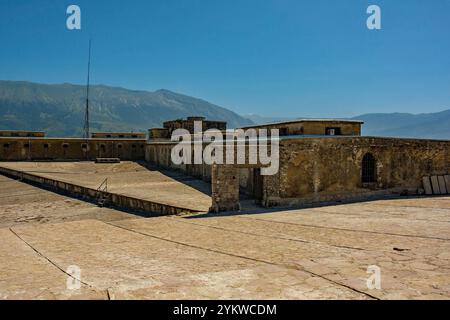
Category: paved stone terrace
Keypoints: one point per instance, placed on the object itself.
(126, 178)
(319, 253)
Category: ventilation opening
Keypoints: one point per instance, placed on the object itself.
(368, 168)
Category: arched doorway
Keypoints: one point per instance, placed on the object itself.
(368, 166)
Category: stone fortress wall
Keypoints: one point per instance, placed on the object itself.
(318, 165)
(323, 169)
(75, 149)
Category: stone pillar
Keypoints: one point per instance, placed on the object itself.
(271, 191)
(225, 188)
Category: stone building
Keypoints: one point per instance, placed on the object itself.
(320, 161)
(326, 127)
(169, 127)
(75, 149)
(188, 124)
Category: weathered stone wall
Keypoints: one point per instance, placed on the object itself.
(334, 165)
(26, 149)
(317, 170)
(225, 188)
(159, 154)
(319, 128)
(158, 134)
(118, 135)
(188, 124)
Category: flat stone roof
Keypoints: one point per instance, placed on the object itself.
(126, 178)
(303, 120)
(316, 253)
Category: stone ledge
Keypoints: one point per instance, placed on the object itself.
(140, 206)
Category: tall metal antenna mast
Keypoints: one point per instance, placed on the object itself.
(86, 117)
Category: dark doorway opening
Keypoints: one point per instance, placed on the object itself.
(257, 185)
(368, 168)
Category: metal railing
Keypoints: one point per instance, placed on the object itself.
(103, 186)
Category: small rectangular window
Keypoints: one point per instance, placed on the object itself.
(333, 131)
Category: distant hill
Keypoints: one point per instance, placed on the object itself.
(405, 125)
(424, 125)
(59, 109)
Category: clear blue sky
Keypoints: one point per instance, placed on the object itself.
(312, 58)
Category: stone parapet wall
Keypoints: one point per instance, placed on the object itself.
(60, 149)
(144, 207)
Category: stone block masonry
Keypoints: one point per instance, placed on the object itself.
(225, 189)
(70, 149)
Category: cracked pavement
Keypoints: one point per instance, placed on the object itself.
(315, 253)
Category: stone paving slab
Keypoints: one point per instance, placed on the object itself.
(132, 265)
(382, 210)
(357, 240)
(21, 203)
(24, 274)
(317, 253)
(126, 178)
(403, 276)
(391, 225)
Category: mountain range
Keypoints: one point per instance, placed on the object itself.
(406, 125)
(59, 109)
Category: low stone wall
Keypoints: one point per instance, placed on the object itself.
(141, 206)
(70, 149)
